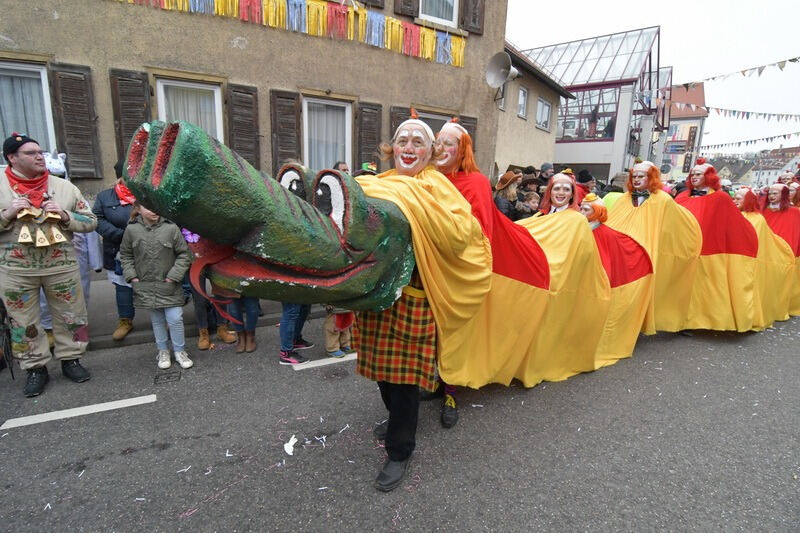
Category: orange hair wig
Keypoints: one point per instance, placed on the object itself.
(653, 180)
(599, 212)
(547, 204)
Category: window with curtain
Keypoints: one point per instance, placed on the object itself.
(543, 109)
(198, 103)
(25, 104)
(328, 138)
(522, 104)
(440, 11)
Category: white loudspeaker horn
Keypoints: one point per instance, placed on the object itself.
(500, 70)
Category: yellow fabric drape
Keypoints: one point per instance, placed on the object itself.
(626, 313)
(569, 333)
(453, 255)
(274, 12)
(722, 293)
(794, 304)
(226, 8)
(393, 35)
(176, 5)
(427, 44)
(317, 17)
(774, 274)
(457, 47)
(357, 24)
(672, 238)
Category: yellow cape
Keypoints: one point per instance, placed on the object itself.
(672, 237)
(568, 334)
(627, 310)
(774, 274)
(453, 256)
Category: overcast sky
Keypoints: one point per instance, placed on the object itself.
(699, 39)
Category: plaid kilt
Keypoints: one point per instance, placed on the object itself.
(398, 345)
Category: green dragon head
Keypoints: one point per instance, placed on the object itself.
(302, 237)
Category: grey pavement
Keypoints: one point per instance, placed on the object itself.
(693, 433)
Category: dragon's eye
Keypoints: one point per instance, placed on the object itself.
(292, 181)
(330, 198)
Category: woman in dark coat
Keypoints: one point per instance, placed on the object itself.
(113, 210)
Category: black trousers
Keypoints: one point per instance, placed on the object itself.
(402, 401)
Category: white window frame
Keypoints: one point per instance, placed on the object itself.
(453, 23)
(48, 108)
(348, 126)
(216, 89)
(524, 113)
(539, 102)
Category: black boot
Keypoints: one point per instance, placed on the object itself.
(74, 371)
(449, 411)
(392, 474)
(426, 395)
(37, 379)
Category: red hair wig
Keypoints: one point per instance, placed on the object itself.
(749, 202)
(653, 180)
(547, 204)
(710, 174)
(784, 203)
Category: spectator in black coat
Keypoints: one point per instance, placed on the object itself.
(113, 209)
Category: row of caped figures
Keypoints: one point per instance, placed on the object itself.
(701, 261)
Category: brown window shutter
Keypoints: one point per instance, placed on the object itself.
(471, 15)
(409, 8)
(374, 3)
(75, 119)
(396, 116)
(286, 134)
(130, 98)
(243, 123)
(471, 125)
(369, 133)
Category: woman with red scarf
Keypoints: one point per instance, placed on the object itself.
(113, 207)
(38, 216)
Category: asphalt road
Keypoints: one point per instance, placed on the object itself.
(692, 433)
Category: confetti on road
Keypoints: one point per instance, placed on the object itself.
(140, 500)
(82, 471)
(344, 428)
(323, 488)
(209, 471)
(228, 453)
(184, 470)
(477, 405)
(289, 446)
(46, 507)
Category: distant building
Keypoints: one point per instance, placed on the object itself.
(685, 133)
(620, 93)
(526, 125)
(772, 163)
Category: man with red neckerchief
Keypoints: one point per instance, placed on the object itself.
(37, 252)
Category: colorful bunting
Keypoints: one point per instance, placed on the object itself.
(340, 19)
(749, 142)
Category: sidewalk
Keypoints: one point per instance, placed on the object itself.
(103, 317)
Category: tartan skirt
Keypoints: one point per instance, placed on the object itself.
(398, 345)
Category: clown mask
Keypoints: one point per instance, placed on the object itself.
(447, 142)
(561, 193)
(412, 149)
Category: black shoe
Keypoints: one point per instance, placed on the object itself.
(37, 379)
(392, 474)
(426, 395)
(449, 411)
(381, 430)
(74, 371)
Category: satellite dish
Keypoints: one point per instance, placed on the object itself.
(666, 168)
(500, 70)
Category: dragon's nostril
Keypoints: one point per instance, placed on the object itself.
(165, 146)
(138, 151)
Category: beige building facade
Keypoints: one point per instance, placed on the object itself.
(101, 67)
(526, 127)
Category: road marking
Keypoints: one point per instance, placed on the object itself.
(77, 411)
(324, 362)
